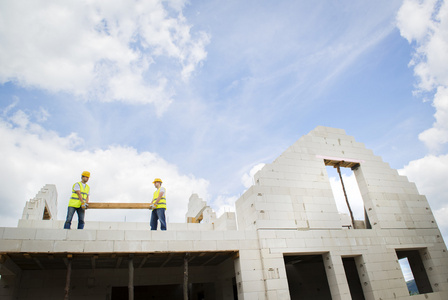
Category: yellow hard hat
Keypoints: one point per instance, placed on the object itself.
(157, 180)
(85, 173)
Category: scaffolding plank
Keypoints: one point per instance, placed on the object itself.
(102, 205)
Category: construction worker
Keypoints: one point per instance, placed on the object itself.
(78, 201)
(158, 205)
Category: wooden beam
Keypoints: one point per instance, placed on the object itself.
(170, 256)
(131, 277)
(37, 261)
(93, 261)
(100, 205)
(67, 279)
(212, 258)
(142, 263)
(186, 259)
(118, 262)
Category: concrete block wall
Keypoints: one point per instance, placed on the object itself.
(46, 198)
(290, 211)
(195, 207)
(374, 253)
(294, 191)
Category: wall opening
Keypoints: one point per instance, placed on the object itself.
(46, 215)
(414, 271)
(354, 283)
(346, 193)
(306, 276)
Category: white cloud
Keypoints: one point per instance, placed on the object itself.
(414, 19)
(429, 174)
(248, 178)
(437, 136)
(224, 204)
(32, 157)
(426, 24)
(98, 49)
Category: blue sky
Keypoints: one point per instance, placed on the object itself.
(200, 93)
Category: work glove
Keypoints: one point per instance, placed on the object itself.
(84, 206)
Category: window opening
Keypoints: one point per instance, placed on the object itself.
(346, 192)
(414, 272)
(306, 276)
(46, 215)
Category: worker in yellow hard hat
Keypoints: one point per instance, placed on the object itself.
(158, 205)
(78, 201)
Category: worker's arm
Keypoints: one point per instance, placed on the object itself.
(158, 199)
(79, 196)
(81, 199)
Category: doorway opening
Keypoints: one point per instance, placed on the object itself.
(306, 276)
(354, 283)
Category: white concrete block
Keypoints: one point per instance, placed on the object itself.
(188, 235)
(207, 245)
(51, 234)
(228, 245)
(233, 235)
(98, 246)
(81, 235)
(69, 246)
(155, 246)
(138, 235)
(19, 233)
(10, 245)
(127, 246)
(110, 235)
(37, 246)
(212, 235)
(180, 245)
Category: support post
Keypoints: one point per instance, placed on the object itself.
(131, 277)
(186, 258)
(345, 194)
(69, 275)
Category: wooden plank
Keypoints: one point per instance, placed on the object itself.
(67, 279)
(101, 205)
(131, 278)
(185, 285)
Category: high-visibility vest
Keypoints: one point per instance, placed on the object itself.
(162, 202)
(74, 199)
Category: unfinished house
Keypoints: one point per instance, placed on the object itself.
(287, 240)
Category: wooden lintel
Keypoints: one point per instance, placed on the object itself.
(170, 256)
(212, 258)
(37, 261)
(101, 205)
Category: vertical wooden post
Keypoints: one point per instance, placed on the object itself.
(131, 277)
(67, 280)
(187, 255)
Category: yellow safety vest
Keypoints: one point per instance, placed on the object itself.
(74, 199)
(162, 202)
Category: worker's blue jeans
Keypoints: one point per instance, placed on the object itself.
(158, 214)
(70, 212)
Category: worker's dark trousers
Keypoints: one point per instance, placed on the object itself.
(70, 212)
(158, 214)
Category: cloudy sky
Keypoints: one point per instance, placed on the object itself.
(202, 93)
